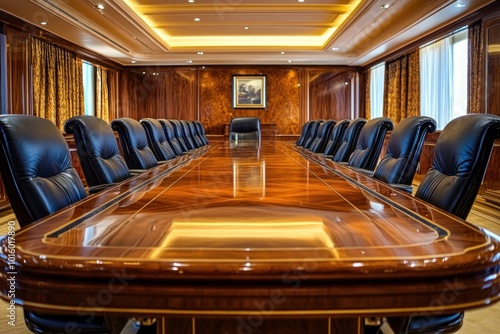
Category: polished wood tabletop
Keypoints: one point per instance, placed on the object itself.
(244, 227)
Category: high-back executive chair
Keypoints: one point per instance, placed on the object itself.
(35, 165)
(370, 142)
(97, 151)
(188, 136)
(335, 138)
(304, 133)
(168, 128)
(461, 156)
(349, 140)
(194, 133)
(157, 139)
(404, 147)
(313, 131)
(201, 132)
(179, 134)
(134, 142)
(245, 128)
(319, 143)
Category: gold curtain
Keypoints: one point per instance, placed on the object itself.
(475, 67)
(402, 87)
(102, 94)
(57, 82)
(368, 109)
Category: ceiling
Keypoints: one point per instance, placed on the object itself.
(246, 32)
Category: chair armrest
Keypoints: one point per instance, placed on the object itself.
(363, 171)
(403, 187)
(100, 187)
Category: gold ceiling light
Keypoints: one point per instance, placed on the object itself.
(284, 25)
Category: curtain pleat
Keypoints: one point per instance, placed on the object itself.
(475, 40)
(102, 94)
(57, 83)
(402, 88)
(368, 108)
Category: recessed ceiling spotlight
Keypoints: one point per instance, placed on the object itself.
(335, 49)
(134, 61)
(385, 6)
(191, 1)
(282, 52)
(189, 61)
(289, 61)
(301, 0)
(100, 6)
(200, 52)
(459, 5)
(197, 19)
(43, 23)
(246, 28)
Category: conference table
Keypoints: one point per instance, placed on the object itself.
(253, 237)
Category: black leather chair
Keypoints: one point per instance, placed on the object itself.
(201, 132)
(245, 128)
(349, 140)
(324, 131)
(370, 142)
(179, 134)
(313, 131)
(335, 138)
(134, 142)
(194, 134)
(97, 151)
(404, 147)
(304, 134)
(188, 138)
(461, 156)
(35, 165)
(168, 128)
(157, 140)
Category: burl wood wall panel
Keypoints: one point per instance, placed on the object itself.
(283, 98)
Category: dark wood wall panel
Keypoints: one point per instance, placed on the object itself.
(18, 78)
(160, 92)
(330, 95)
(283, 97)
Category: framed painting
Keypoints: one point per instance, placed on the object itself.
(249, 91)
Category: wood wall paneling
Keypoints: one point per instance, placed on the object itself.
(492, 91)
(330, 95)
(283, 97)
(18, 74)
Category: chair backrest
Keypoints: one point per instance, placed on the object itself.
(349, 140)
(319, 143)
(404, 147)
(157, 140)
(370, 142)
(188, 137)
(304, 133)
(335, 138)
(179, 134)
(245, 128)
(313, 131)
(134, 142)
(36, 168)
(97, 150)
(201, 132)
(168, 128)
(194, 133)
(461, 156)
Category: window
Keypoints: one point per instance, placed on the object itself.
(443, 78)
(377, 74)
(89, 88)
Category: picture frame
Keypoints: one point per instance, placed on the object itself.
(249, 91)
